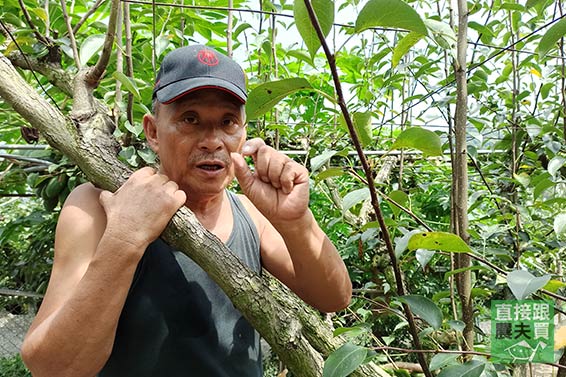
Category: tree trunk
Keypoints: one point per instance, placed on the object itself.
(295, 331)
(460, 167)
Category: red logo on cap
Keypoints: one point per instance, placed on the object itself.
(207, 57)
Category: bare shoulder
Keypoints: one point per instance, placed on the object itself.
(258, 219)
(82, 219)
(85, 195)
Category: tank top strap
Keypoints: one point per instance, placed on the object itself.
(244, 239)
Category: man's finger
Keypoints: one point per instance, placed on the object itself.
(252, 146)
(242, 171)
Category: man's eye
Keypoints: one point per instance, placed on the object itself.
(229, 123)
(190, 120)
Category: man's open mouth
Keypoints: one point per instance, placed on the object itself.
(211, 167)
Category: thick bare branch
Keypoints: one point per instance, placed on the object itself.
(36, 110)
(460, 166)
(53, 72)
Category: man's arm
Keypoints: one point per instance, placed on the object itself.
(98, 243)
(294, 248)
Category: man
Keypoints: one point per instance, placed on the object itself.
(121, 302)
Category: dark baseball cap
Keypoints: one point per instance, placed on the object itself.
(190, 68)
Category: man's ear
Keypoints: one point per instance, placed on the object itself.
(150, 130)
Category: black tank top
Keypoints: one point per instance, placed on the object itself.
(177, 322)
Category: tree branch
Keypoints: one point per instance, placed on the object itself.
(9, 156)
(129, 69)
(36, 110)
(87, 15)
(94, 75)
(30, 23)
(71, 34)
(460, 178)
(54, 73)
(371, 185)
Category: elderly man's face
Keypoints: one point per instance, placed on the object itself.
(194, 137)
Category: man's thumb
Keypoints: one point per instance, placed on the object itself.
(104, 196)
(242, 171)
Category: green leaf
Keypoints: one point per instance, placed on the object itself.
(424, 256)
(457, 271)
(40, 12)
(161, 44)
(424, 308)
(263, 97)
(134, 129)
(324, 10)
(352, 331)
(390, 13)
(473, 368)
(147, 155)
(329, 173)
(542, 186)
(404, 45)
(532, 3)
(443, 35)
(457, 325)
(344, 360)
(555, 164)
(321, 159)
(438, 241)
(523, 283)
(522, 178)
(91, 45)
(354, 197)
(128, 83)
(560, 224)
(400, 198)
(419, 138)
(554, 285)
(441, 360)
(362, 124)
(401, 243)
(549, 39)
(241, 27)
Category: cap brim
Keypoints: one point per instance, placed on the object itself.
(176, 90)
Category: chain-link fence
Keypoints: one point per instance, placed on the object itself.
(15, 318)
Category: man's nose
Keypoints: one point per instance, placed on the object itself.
(210, 139)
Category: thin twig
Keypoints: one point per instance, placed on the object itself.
(229, 29)
(71, 34)
(87, 15)
(30, 23)
(371, 185)
(435, 351)
(94, 75)
(116, 111)
(16, 157)
(129, 69)
(455, 352)
(47, 19)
